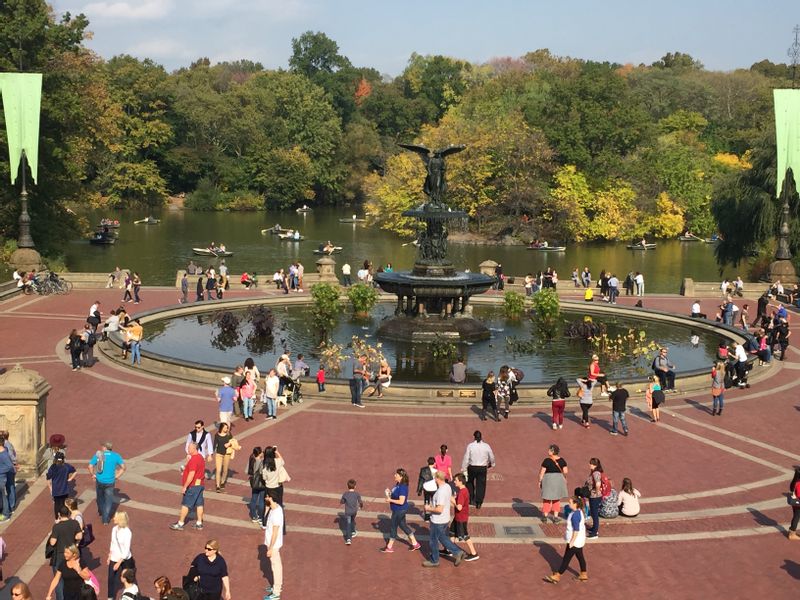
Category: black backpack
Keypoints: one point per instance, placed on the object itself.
(92, 339)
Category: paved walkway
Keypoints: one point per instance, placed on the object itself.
(713, 519)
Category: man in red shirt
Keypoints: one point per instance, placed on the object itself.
(193, 476)
(458, 528)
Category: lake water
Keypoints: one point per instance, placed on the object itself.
(196, 338)
(158, 251)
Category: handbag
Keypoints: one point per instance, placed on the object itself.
(88, 536)
(49, 551)
(283, 475)
(793, 501)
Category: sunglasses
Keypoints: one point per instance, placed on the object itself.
(210, 549)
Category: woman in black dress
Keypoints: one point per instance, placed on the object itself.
(73, 572)
(489, 396)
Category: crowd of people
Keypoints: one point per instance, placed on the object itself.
(80, 343)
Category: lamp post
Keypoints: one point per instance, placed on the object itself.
(25, 239)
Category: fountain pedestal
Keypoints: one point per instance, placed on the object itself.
(433, 298)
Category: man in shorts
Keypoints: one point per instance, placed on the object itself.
(458, 528)
(193, 476)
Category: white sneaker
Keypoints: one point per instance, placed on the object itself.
(604, 395)
(560, 426)
(555, 426)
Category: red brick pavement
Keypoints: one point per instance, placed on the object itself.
(327, 443)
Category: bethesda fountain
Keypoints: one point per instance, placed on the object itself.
(433, 298)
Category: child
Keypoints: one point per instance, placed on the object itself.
(321, 379)
(352, 502)
(458, 528)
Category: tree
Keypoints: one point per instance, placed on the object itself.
(78, 119)
(439, 79)
(314, 53)
(678, 61)
(284, 176)
(746, 209)
(132, 175)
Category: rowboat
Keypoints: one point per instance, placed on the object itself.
(711, 240)
(99, 239)
(289, 237)
(276, 230)
(548, 248)
(209, 252)
(640, 247)
(352, 220)
(110, 223)
(689, 238)
(147, 221)
(304, 209)
(336, 250)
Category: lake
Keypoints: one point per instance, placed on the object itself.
(158, 251)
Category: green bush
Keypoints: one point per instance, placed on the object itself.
(362, 297)
(513, 304)
(326, 308)
(546, 311)
(206, 197)
(244, 201)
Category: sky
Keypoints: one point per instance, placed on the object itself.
(722, 34)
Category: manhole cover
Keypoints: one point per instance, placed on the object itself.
(517, 531)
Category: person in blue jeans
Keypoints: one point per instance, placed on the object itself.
(105, 468)
(258, 487)
(440, 523)
(352, 502)
(353, 370)
(619, 398)
(397, 498)
(7, 473)
(595, 485)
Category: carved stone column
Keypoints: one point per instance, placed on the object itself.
(23, 412)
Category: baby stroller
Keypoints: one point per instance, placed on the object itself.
(291, 390)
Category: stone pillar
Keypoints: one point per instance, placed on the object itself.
(326, 267)
(487, 267)
(23, 412)
(687, 287)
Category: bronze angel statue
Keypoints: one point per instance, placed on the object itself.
(435, 181)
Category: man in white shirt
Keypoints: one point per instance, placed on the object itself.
(440, 520)
(741, 365)
(478, 458)
(696, 314)
(639, 281)
(223, 268)
(94, 317)
(346, 275)
(273, 540)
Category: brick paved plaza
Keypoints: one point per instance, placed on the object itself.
(713, 522)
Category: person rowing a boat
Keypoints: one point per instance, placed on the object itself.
(643, 243)
(296, 235)
(328, 248)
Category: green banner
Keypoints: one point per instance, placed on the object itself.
(22, 99)
(787, 134)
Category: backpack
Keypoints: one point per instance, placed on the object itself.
(136, 596)
(605, 485)
(203, 436)
(91, 340)
(518, 374)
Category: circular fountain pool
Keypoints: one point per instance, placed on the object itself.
(195, 338)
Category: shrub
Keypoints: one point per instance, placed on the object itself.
(513, 304)
(326, 308)
(244, 201)
(206, 197)
(362, 297)
(546, 311)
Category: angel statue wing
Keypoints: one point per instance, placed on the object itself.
(424, 153)
(451, 149)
